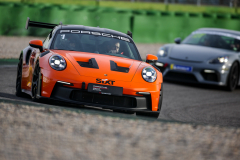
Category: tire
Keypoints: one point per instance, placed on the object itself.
(148, 114)
(35, 82)
(233, 77)
(19, 92)
(160, 99)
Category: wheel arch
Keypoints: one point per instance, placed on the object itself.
(238, 63)
(28, 53)
(228, 77)
(25, 52)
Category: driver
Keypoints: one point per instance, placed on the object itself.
(113, 47)
(72, 44)
(236, 45)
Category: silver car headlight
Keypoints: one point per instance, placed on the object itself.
(219, 60)
(163, 51)
(149, 74)
(57, 62)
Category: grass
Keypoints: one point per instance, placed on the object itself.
(9, 61)
(138, 5)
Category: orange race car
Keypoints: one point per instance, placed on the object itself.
(91, 66)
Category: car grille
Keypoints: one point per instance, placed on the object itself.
(215, 77)
(119, 101)
(180, 77)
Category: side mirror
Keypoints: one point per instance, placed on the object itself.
(36, 44)
(177, 40)
(151, 58)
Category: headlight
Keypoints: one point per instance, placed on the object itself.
(163, 51)
(219, 60)
(149, 74)
(57, 62)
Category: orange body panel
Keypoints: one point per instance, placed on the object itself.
(151, 57)
(132, 82)
(36, 42)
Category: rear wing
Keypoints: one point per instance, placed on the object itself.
(39, 24)
(50, 26)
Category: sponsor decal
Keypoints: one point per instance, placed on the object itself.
(104, 81)
(181, 68)
(98, 88)
(95, 33)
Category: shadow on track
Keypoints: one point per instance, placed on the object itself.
(26, 100)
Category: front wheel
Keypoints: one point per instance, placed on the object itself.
(19, 78)
(36, 80)
(233, 77)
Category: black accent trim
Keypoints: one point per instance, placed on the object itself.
(39, 24)
(115, 67)
(215, 77)
(92, 63)
(44, 53)
(151, 61)
(28, 56)
(36, 46)
(156, 67)
(162, 69)
(101, 106)
(83, 85)
(181, 77)
(79, 96)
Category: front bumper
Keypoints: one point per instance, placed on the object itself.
(214, 74)
(82, 96)
(77, 93)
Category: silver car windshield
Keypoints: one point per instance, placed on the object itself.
(96, 44)
(213, 40)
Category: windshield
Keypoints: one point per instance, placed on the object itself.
(214, 40)
(101, 44)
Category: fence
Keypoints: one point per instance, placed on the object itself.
(148, 26)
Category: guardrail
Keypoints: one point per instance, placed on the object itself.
(147, 26)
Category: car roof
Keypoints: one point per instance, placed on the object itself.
(236, 33)
(94, 29)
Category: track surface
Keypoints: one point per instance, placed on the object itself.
(199, 104)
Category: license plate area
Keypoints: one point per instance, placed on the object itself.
(181, 68)
(104, 89)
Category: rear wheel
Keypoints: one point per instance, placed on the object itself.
(233, 77)
(36, 82)
(19, 78)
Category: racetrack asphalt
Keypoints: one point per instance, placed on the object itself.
(198, 104)
(196, 122)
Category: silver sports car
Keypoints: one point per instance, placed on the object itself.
(207, 55)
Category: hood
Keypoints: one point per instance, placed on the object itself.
(195, 53)
(102, 66)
